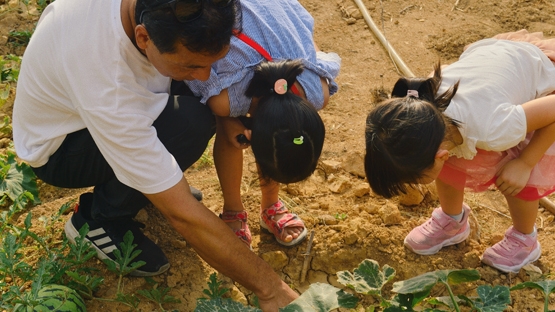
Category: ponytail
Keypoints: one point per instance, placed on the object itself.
(268, 73)
(403, 134)
(426, 89)
(287, 131)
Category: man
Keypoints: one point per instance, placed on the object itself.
(92, 109)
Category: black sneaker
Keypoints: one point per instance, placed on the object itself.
(106, 236)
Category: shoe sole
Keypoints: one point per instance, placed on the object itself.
(535, 255)
(71, 233)
(292, 243)
(435, 249)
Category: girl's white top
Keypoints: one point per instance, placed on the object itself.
(496, 78)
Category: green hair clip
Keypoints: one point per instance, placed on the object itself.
(298, 140)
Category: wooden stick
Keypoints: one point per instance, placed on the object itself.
(385, 43)
(547, 204)
(307, 257)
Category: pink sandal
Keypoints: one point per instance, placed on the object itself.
(277, 227)
(243, 233)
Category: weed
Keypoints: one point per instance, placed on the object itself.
(340, 216)
(19, 38)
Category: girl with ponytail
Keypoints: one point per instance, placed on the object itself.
(487, 119)
(266, 93)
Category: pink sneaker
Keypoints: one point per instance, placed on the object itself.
(513, 252)
(439, 231)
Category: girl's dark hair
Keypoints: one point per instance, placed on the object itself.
(210, 33)
(279, 120)
(403, 134)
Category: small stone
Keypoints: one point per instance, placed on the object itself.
(412, 197)
(471, 259)
(237, 295)
(390, 214)
(276, 259)
(330, 166)
(339, 186)
(142, 216)
(179, 244)
(361, 190)
(354, 164)
(328, 220)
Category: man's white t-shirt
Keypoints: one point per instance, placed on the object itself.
(81, 70)
(496, 78)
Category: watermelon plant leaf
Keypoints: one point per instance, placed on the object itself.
(546, 287)
(321, 297)
(16, 179)
(215, 289)
(367, 278)
(221, 304)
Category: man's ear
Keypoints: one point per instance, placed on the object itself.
(141, 36)
(442, 154)
(248, 133)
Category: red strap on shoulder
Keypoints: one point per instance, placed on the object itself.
(253, 44)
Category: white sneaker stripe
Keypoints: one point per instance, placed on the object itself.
(103, 241)
(109, 249)
(97, 232)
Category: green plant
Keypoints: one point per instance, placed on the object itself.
(368, 279)
(157, 295)
(340, 216)
(19, 38)
(56, 298)
(9, 73)
(318, 297)
(123, 265)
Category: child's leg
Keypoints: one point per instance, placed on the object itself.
(520, 245)
(523, 213)
(229, 167)
(270, 196)
(447, 226)
(450, 198)
(228, 160)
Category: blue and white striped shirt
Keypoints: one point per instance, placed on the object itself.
(284, 29)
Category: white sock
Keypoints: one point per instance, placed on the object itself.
(457, 217)
(534, 233)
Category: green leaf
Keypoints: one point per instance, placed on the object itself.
(321, 297)
(215, 289)
(492, 299)
(18, 179)
(421, 285)
(546, 287)
(367, 278)
(220, 304)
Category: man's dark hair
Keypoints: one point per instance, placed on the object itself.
(209, 34)
(403, 134)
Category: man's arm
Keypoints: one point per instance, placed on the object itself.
(216, 243)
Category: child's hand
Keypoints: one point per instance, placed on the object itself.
(512, 177)
(233, 129)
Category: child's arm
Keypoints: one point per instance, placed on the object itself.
(219, 104)
(540, 117)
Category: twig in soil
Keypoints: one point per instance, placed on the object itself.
(405, 9)
(547, 204)
(455, 6)
(497, 211)
(307, 257)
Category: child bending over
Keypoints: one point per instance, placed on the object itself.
(266, 93)
(487, 119)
